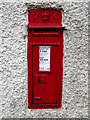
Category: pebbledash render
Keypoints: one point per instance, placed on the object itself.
(13, 59)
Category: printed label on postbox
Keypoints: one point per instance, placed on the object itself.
(44, 58)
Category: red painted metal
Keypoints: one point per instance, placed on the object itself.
(45, 87)
(45, 18)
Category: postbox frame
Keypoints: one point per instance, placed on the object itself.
(37, 41)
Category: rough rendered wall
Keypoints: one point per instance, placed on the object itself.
(13, 60)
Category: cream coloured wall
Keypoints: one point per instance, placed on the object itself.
(13, 59)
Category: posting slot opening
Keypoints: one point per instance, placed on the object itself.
(45, 32)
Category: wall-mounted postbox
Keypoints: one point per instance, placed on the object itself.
(45, 58)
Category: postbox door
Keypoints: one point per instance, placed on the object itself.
(45, 64)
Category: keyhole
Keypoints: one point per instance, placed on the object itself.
(38, 80)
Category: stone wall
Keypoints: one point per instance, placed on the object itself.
(13, 59)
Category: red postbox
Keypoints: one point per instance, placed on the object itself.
(45, 58)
